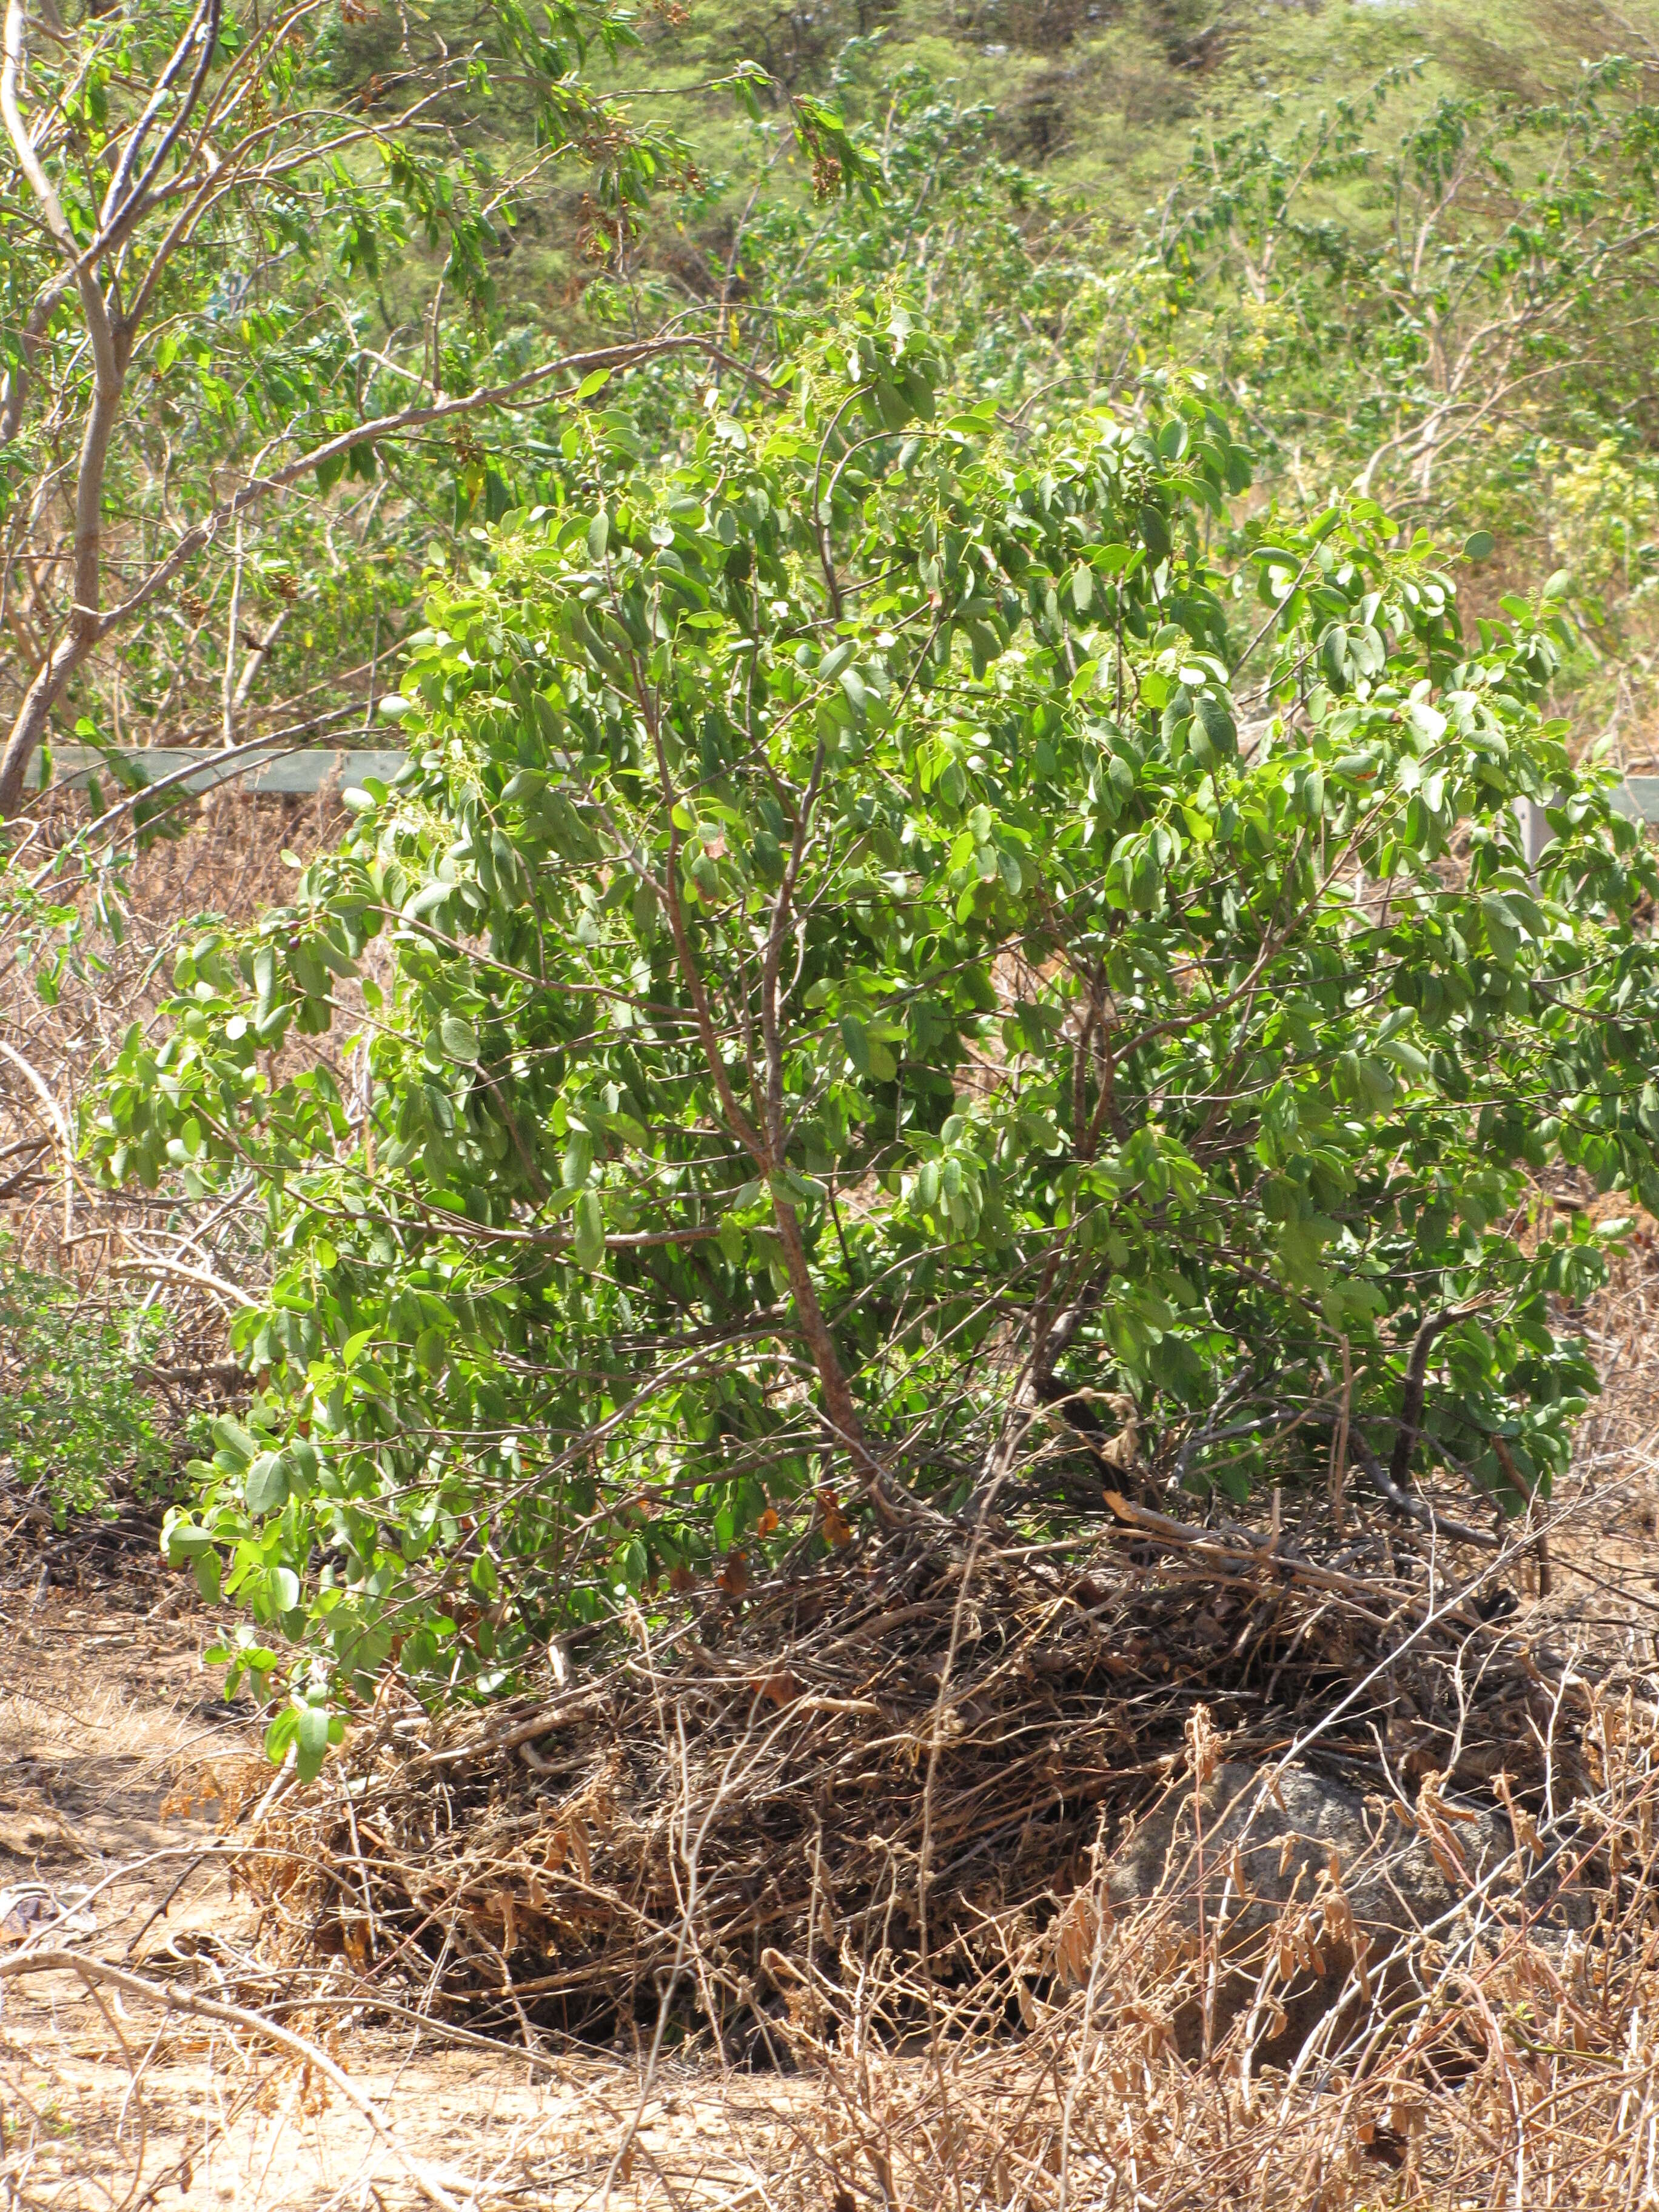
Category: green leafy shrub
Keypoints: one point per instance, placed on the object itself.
(896, 942)
(73, 1427)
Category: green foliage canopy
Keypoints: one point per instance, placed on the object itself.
(1407, 298)
(885, 930)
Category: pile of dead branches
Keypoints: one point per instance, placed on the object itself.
(1496, 2062)
(915, 1753)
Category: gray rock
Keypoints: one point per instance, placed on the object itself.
(1311, 1873)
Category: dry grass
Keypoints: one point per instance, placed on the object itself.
(921, 1747)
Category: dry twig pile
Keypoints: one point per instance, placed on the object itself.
(919, 1757)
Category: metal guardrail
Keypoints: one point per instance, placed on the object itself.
(302, 772)
(286, 775)
(1639, 797)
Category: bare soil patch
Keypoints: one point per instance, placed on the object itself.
(109, 1729)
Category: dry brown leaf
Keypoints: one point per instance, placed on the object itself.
(1203, 1745)
(1076, 1932)
(837, 1530)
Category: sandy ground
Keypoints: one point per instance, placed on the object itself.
(107, 2102)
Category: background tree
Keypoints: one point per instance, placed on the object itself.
(1394, 295)
(249, 268)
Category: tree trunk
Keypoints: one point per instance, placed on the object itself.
(838, 1403)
